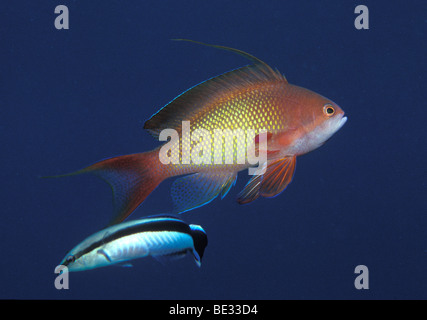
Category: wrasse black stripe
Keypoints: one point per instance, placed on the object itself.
(156, 225)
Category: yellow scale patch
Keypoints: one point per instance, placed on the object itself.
(256, 109)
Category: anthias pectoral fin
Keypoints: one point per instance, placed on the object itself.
(276, 178)
(105, 254)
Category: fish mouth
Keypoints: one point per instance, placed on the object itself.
(341, 122)
(335, 127)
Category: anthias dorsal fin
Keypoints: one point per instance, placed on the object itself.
(248, 56)
(196, 100)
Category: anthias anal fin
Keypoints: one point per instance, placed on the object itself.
(198, 189)
(277, 177)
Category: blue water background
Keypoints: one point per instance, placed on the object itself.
(69, 98)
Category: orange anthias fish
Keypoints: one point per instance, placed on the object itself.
(255, 99)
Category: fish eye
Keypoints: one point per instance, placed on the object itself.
(71, 258)
(328, 110)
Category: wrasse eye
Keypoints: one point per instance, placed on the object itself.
(71, 258)
(328, 110)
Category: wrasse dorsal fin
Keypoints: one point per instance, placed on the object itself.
(198, 100)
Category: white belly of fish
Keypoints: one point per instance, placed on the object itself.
(146, 244)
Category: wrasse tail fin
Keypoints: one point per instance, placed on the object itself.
(277, 177)
(200, 240)
(198, 189)
(131, 177)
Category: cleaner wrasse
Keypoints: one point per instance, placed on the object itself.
(156, 236)
(252, 98)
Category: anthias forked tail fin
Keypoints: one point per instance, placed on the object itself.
(131, 177)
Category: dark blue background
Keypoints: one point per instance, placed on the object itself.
(71, 97)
